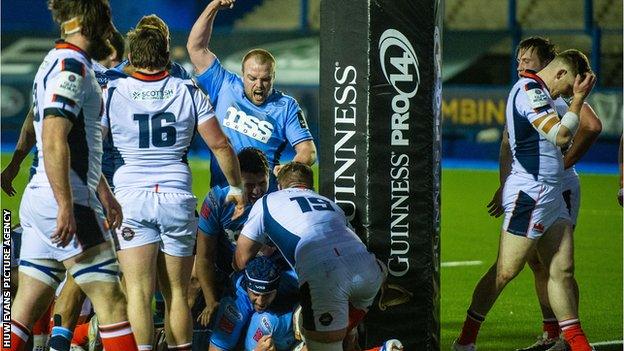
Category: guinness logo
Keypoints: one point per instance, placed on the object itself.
(393, 295)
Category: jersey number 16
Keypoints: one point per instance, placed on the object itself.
(162, 136)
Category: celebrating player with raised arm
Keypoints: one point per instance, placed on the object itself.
(535, 213)
(249, 110)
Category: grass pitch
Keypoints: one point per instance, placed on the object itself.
(469, 234)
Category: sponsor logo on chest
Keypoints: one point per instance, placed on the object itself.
(248, 125)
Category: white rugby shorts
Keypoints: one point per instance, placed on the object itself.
(531, 207)
(154, 217)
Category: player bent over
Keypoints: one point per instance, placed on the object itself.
(61, 216)
(153, 117)
(337, 276)
(535, 215)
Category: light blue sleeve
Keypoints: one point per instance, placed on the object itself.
(231, 319)
(209, 214)
(212, 80)
(296, 124)
(279, 326)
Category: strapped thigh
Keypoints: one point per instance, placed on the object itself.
(102, 267)
(49, 272)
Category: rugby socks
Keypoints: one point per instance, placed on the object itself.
(145, 348)
(41, 331)
(19, 336)
(182, 347)
(551, 326)
(118, 337)
(471, 328)
(81, 335)
(574, 335)
(61, 339)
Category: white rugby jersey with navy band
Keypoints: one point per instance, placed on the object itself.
(152, 120)
(65, 86)
(533, 155)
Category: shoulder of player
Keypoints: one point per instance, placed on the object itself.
(74, 62)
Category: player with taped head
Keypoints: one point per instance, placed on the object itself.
(60, 213)
(313, 235)
(532, 55)
(535, 211)
(261, 304)
(70, 298)
(152, 118)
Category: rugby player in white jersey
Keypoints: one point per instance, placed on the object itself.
(153, 118)
(338, 277)
(535, 215)
(61, 216)
(533, 54)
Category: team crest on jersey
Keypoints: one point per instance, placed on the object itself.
(127, 233)
(326, 319)
(248, 125)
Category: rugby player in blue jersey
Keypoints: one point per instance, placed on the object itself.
(250, 110)
(264, 298)
(218, 231)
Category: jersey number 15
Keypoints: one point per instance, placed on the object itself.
(308, 204)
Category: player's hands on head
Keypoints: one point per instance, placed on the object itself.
(265, 344)
(65, 227)
(6, 179)
(224, 4)
(495, 207)
(583, 85)
(206, 315)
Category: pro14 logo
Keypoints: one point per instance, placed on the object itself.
(401, 70)
(249, 125)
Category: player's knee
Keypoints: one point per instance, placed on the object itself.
(505, 275)
(562, 270)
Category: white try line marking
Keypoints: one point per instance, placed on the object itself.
(461, 263)
(607, 343)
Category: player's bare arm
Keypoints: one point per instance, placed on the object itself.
(221, 147)
(114, 215)
(25, 143)
(246, 249)
(305, 153)
(204, 264)
(56, 162)
(199, 38)
(589, 130)
(495, 207)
